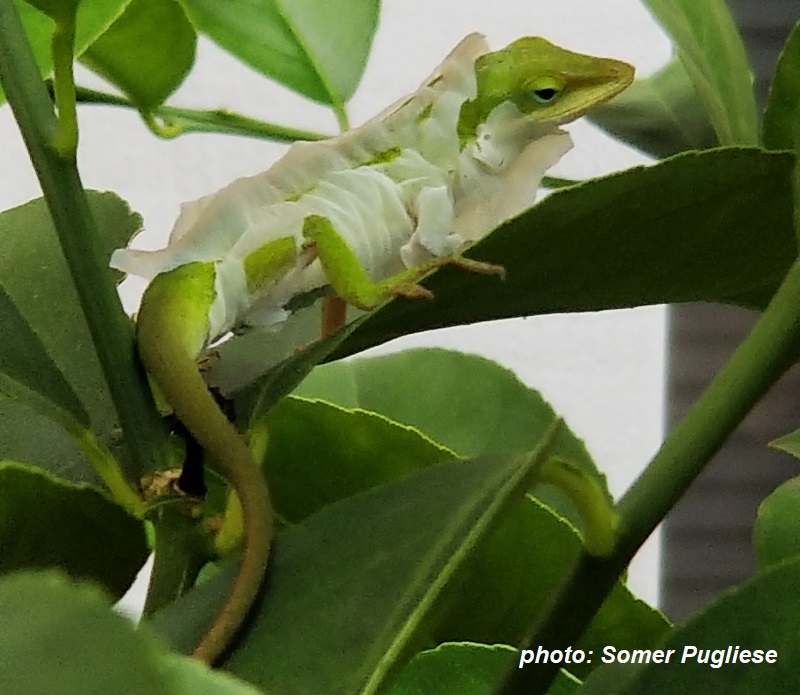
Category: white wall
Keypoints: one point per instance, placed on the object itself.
(604, 372)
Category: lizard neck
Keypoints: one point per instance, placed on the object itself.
(491, 70)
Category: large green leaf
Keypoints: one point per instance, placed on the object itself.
(521, 565)
(661, 115)
(351, 590)
(790, 443)
(467, 403)
(193, 678)
(29, 377)
(701, 226)
(46, 523)
(783, 106)
(711, 49)
(317, 49)
(776, 532)
(760, 615)
(466, 669)
(319, 453)
(34, 275)
(146, 52)
(62, 638)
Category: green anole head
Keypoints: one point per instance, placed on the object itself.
(550, 84)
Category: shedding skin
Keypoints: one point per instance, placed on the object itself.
(542, 85)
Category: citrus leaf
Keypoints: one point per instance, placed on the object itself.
(783, 103)
(146, 52)
(776, 533)
(47, 523)
(711, 49)
(316, 49)
(362, 576)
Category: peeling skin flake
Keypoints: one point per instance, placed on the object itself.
(399, 189)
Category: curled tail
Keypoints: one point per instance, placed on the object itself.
(172, 328)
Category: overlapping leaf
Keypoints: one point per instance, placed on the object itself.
(47, 523)
(467, 669)
(701, 226)
(317, 49)
(32, 273)
(62, 638)
(783, 106)
(351, 590)
(146, 52)
(711, 49)
(761, 614)
(471, 405)
(776, 533)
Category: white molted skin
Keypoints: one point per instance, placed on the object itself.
(428, 199)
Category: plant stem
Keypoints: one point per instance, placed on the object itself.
(176, 121)
(63, 46)
(771, 347)
(180, 554)
(110, 328)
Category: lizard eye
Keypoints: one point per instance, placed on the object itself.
(544, 90)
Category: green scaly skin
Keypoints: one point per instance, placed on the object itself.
(550, 85)
(171, 329)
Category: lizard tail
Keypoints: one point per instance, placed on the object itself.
(171, 328)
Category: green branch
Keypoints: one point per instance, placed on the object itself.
(180, 553)
(80, 241)
(171, 121)
(65, 141)
(769, 350)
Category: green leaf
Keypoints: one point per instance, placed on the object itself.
(29, 376)
(316, 49)
(783, 103)
(360, 450)
(759, 615)
(466, 669)
(94, 17)
(711, 49)
(701, 226)
(34, 275)
(519, 564)
(661, 115)
(790, 443)
(197, 679)
(61, 638)
(46, 523)
(352, 588)
(776, 533)
(471, 405)
(146, 52)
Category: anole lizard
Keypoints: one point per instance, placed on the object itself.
(366, 214)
